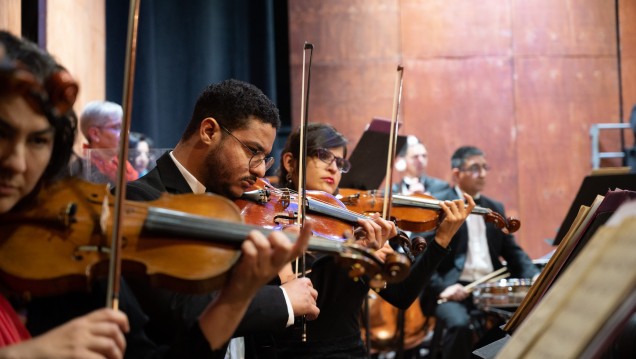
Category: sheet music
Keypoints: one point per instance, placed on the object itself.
(553, 267)
(590, 289)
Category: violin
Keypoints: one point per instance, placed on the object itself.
(188, 243)
(417, 212)
(276, 208)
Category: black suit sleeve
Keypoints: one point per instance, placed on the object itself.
(404, 293)
(267, 312)
(517, 260)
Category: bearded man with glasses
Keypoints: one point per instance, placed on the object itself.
(475, 252)
(223, 150)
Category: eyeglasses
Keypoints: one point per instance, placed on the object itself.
(327, 157)
(257, 158)
(116, 127)
(476, 169)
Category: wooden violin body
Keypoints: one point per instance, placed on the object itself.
(277, 208)
(418, 212)
(60, 242)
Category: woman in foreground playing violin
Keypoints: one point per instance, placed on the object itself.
(33, 148)
(37, 131)
(336, 332)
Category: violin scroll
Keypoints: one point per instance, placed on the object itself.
(508, 226)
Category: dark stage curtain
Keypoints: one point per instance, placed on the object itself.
(183, 46)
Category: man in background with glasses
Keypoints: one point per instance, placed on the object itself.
(475, 252)
(100, 123)
(224, 150)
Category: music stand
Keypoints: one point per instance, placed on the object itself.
(591, 187)
(369, 157)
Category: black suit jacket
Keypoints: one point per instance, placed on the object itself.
(432, 185)
(172, 313)
(499, 245)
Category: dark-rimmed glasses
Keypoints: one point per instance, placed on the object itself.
(327, 157)
(257, 158)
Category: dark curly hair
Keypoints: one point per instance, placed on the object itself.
(319, 135)
(231, 103)
(26, 55)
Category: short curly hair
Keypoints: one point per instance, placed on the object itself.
(231, 103)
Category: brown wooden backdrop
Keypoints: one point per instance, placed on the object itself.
(523, 80)
(76, 36)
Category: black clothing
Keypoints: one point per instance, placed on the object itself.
(172, 313)
(45, 313)
(432, 185)
(457, 342)
(336, 331)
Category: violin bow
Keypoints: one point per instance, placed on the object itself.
(386, 208)
(114, 268)
(302, 163)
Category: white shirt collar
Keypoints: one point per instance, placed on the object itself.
(460, 193)
(195, 185)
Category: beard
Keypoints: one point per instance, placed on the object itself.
(219, 176)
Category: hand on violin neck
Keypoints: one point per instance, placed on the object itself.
(455, 213)
(384, 251)
(374, 232)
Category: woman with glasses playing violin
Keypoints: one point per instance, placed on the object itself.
(336, 332)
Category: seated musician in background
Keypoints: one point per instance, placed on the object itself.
(36, 139)
(336, 332)
(223, 150)
(140, 154)
(100, 123)
(414, 158)
(475, 252)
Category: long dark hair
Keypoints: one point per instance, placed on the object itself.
(319, 135)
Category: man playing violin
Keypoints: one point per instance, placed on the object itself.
(37, 131)
(475, 252)
(336, 332)
(223, 150)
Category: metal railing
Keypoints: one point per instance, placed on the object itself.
(597, 155)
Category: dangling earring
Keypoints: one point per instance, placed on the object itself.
(288, 177)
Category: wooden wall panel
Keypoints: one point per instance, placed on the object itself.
(445, 102)
(565, 27)
(556, 101)
(10, 16)
(627, 16)
(524, 80)
(455, 28)
(354, 63)
(76, 35)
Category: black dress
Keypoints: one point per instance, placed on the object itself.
(336, 331)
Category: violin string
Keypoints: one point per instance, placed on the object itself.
(334, 207)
